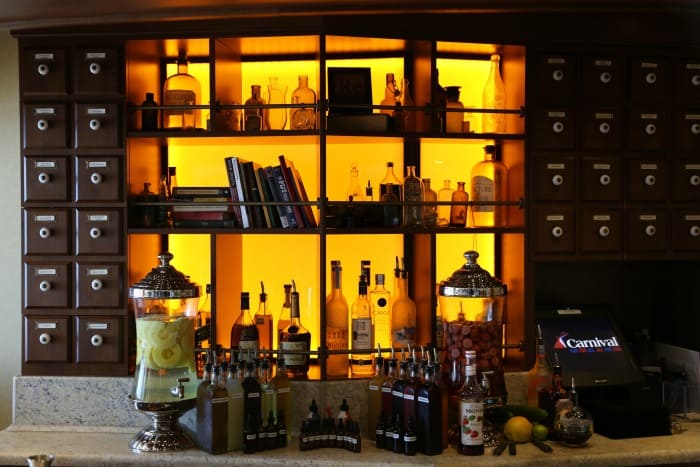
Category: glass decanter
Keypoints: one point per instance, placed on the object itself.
(303, 118)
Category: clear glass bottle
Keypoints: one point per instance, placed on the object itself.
(303, 118)
(391, 94)
(471, 410)
(489, 183)
(336, 324)
(355, 192)
(253, 117)
(539, 377)
(444, 195)
(263, 321)
(429, 210)
(458, 210)
(403, 314)
(494, 97)
(412, 193)
(276, 117)
(181, 89)
(374, 395)
(285, 316)
(380, 298)
(295, 337)
(362, 330)
(244, 333)
(235, 406)
(456, 117)
(149, 117)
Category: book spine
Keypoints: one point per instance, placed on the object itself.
(285, 197)
(266, 196)
(240, 190)
(292, 191)
(274, 191)
(230, 163)
(251, 194)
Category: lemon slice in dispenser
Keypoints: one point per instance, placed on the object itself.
(167, 358)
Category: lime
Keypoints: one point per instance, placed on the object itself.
(540, 432)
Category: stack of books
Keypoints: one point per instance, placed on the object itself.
(202, 207)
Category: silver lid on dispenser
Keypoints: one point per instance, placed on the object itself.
(164, 282)
(471, 281)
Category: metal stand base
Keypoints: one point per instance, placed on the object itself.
(165, 433)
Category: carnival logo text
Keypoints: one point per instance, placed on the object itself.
(595, 344)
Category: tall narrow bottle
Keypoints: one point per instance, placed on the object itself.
(471, 410)
(412, 193)
(387, 386)
(252, 397)
(403, 314)
(284, 399)
(285, 316)
(212, 415)
(337, 324)
(397, 394)
(380, 298)
(539, 377)
(182, 90)
(295, 337)
(244, 333)
(374, 394)
(409, 392)
(362, 330)
(268, 404)
(494, 98)
(235, 407)
(429, 415)
(489, 184)
(263, 321)
(276, 118)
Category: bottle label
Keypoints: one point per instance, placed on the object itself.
(236, 395)
(337, 338)
(253, 395)
(219, 400)
(423, 400)
(248, 345)
(410, 439)
(179, 97)
(409, 397)
(251, 437)
(373, 387)
(472, 422)
(282, 390)
(483, 190)
(362, 333)
(397, 394)
(404, 337)
(294, 358)
(379, 432)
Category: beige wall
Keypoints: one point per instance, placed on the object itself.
(10, 222)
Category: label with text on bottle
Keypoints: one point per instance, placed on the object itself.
(292, 359)
(483, 190)
(361, 333)
(472, 422)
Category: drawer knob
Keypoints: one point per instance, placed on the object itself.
(650, 230)
(44, 286)
(695, 180)
(650, 78)
(557, 232)
(96, 340)
(42, 124)
(605, 77)
(44, 338)
(650, 129)
(605, 180)
(695, 231)
(43, 178)
(95, 233)
(557, 180)
(695, 80)
(95, 178)
(95, 124)
(695, 128)
(558, 127)
(604, 231)
(44, 232)
(96, 284)
(604, 128)
(557, 75)
(95, 68)
(650, 180)
(42, 69)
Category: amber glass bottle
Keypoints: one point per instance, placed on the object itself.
(337, 324)
(295, 337)
(244, 333)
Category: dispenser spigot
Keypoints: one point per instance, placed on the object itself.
(179, 390)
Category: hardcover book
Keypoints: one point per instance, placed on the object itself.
(235, 181)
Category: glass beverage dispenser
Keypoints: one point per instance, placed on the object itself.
(165, 381)
(472, 303)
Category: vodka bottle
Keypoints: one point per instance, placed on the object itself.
(362, 330)
(403, 314)
(380, 298)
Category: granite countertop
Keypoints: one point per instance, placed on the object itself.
(105, 446)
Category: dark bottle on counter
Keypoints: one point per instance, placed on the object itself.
(398, 444)
(410, 440)
(304, 436)
(379, 432)
(397, 394)
(409, 393)
(244, 333)
(212, 415)
(374, 394)
(387, 385)
(271, 432)
(357, 440)
(149, 117)
(281, 430)
(429, 415)
(250, 435)
(471, 410)
(389, 435)
(252, 405)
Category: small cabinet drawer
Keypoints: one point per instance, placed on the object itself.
(97, 71)
(646, 180)
(687, 84)
(98, 285)
(98, 231)
(601, 230)
(601, 128)
(46, 285)
(601, 179)
(46, 179)
(687, 134)
(685, 228)
(685, 180)
(46, 339)
(603, 78)
(42, 71)
(647, 129)
(98, 339)
(555, 76)
(554, 128)
(648, 80)
(97, 178)
(45, 126)
(554, 178)
(46, 231)
(645, 230)
(554, 230)
(97, 126)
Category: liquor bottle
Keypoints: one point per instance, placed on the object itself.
(489, 183)
(458, 210)
(444, 195)
(410, 440)
(398, 444)
(285, 316)
(354, 192)
(391, 94)
(244, 333)
(390, 183)
(163, 214)
(172, 180)
(283, 436)
(471, 410)
(263, 321)
(403, 313)
(235, 406)
(206, 378)
(397, 395)
(250, 435)
(365, 270)
(380, 298)
(539, 377)
(553, 396)
(212, 415)
(252, 395)
(284, 400)
(181, 89)
(362, 330)
(429, 415)
(149, 117)
(253, 119)
(276, 117)
(409, 392)
(378, 432)
(429, 209)
(493, 97)
(295, 337)
(271, 432)
(374, 394)
(387, 385)
(389, 434)
(268, 403)
(336, 324)
(303, 118)
(412, 193)
(391, 211)
(444, 399)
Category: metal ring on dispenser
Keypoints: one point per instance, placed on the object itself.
(650, 78)
(96, 178)
(694, 180)
(94, 124)
(96, 340)
(605, 179)
(43, 178)
(44, 232)
(44, 286)
(95, 232)
(95, 68)
(694, 231)
(42, 69)
(604, 231)
(557, 231)
(44, 338)
(558, 127)
(650, 180)
(42, 124)
(650, 230)
(650, 129)
(557, 75)
(605, 77)
(604, 128)
(557, 180)
(695, 128)
(96, 284)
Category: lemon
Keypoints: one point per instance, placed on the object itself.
(518, 429)
(540, 432)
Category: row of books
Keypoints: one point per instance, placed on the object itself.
(195, 206)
